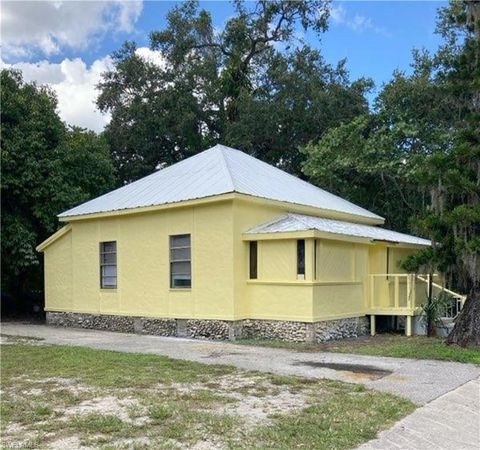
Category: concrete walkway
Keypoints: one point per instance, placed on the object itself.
(451, 422)
(418, 380)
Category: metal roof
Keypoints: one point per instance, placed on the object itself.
(299, 222)
(218, 170)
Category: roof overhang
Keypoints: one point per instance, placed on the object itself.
(297, 226)
(304, 209)
(54, 237)
(315, 234)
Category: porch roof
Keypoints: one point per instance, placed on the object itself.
(298, 222)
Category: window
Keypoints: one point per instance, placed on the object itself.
(108, 265)
(180, 261)
(253, 260)
(301, 258)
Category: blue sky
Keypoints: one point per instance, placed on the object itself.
(67, 44)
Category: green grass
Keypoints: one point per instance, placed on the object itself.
(97, 423)
(176, 404)
(112, 369)
(396, 346)
(345, 420)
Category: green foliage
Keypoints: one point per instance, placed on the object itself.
(46, 168)
(232, 86)
(416, 158)
(434, 310)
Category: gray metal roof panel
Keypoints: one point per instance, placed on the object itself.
(299, 222)
(216, 171)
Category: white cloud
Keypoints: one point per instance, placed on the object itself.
(152, 56)
(357, 22)
(74, 84)
(49, 27)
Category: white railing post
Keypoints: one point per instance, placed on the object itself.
(397, 291)
(372, 291)
(409, 291)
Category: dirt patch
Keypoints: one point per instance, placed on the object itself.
(70, 443)
(254, 399)
(369, 372)
(255, 410)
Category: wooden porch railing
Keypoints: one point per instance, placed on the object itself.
(404, 293)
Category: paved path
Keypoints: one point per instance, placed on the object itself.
(419, 380)
(451, 422)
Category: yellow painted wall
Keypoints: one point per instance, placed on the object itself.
(279, 301)
(336, 260)
(245, 216)
(220, 267)
(336, 290)
(58, 273)
(143, 265)
(338, 300)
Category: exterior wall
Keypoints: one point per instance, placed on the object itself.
(59, 274)
(342, 269)
(335, 287)
(277, 260)
(280, 300)
(73, 274)
(246, 215)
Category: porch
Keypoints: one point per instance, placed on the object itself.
(403, 294)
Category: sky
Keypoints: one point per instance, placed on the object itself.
(67, 44)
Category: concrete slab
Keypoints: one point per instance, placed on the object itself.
(450, 422)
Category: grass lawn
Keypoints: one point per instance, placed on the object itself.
(397, 346)
(66, 397)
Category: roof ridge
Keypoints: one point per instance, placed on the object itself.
(299, 217)
(225, 165)
(270, 222)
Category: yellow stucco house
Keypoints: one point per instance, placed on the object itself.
(223, 245)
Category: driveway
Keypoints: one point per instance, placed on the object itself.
(418, 380)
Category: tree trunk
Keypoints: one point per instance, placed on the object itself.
(466, 331)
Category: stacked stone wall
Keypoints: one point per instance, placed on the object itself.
(216, 329)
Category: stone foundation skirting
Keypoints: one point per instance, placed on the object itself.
(216, 329)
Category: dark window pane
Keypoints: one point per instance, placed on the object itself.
(253, 260)
(181, 281)
(109, 271)
(301, 257)
(109, 246)
(180, 254)
(180, 241)
(109, 258)
(109, 282)
(181, 268)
